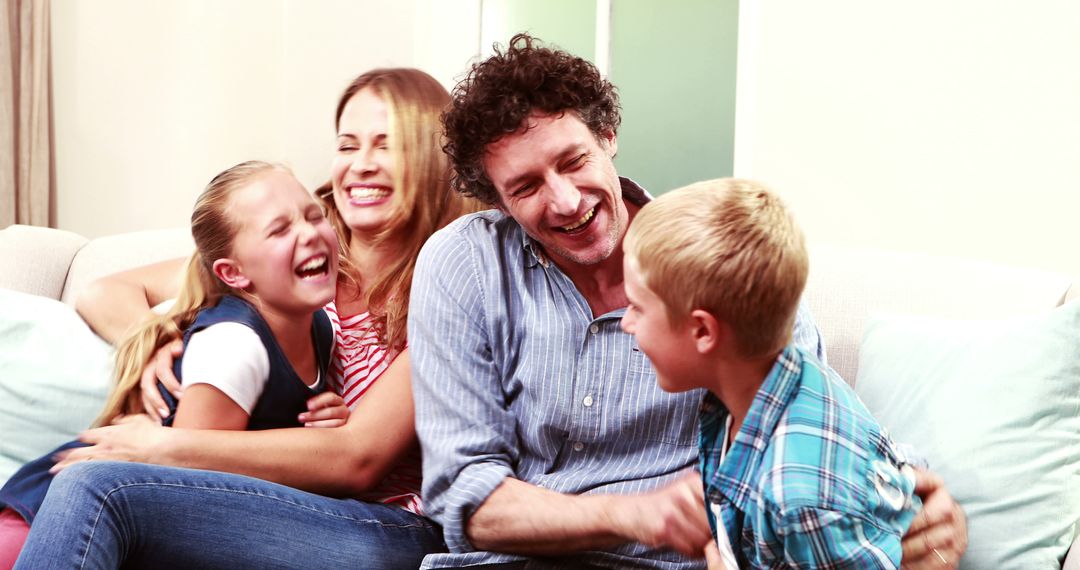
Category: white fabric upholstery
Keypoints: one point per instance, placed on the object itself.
(847, 285)
(36, 260)
(110, 254)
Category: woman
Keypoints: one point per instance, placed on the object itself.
(388, 192)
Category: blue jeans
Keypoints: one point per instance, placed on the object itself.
(107, 514)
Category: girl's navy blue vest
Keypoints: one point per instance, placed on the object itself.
(283, 398)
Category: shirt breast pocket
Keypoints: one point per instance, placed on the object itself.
(648, 413)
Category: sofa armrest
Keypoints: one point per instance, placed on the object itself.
(36, 260)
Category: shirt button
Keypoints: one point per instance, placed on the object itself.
(594, 328)
(578, 446)
(587, 401)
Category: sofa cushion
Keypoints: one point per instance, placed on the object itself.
(54, 376)
(995, 408)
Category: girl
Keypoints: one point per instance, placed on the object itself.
(388, 192)
(253, 292)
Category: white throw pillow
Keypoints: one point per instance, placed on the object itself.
(994, 406)
(54, 376)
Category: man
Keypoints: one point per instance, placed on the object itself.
(543, 430)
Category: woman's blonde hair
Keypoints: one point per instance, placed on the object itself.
(213, 231)
(423, 199)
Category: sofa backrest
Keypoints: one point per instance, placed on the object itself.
(109, 254)
(58, 264)
(848, 285)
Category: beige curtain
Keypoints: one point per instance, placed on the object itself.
(26, 181)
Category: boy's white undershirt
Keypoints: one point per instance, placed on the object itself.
(722, 542)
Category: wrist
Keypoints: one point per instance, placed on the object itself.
(165, 446)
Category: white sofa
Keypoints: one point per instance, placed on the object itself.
(847, 286)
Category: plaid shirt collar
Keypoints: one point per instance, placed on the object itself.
(734, 478)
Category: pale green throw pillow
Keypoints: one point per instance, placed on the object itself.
(994, 406)
(54, 376)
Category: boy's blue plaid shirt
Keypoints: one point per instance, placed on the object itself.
(811, 479)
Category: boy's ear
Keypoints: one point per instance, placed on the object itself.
(706, 331)
(230, 273)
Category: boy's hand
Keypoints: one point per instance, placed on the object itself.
(938, 535)
(325, 410)
(159, 369)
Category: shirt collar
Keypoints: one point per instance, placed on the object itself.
(736, 477)
(631, 192)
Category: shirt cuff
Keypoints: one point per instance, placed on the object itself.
(472, 487)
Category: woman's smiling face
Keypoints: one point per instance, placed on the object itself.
(363, 169)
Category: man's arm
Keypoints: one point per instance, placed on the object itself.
(524, 519)
(938, 536)
(470, 443)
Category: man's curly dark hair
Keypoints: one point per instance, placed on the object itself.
(500, 92)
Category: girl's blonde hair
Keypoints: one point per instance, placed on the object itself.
(213, 230)
(423, 198)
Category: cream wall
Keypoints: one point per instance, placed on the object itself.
(151, 99)
(943, 127)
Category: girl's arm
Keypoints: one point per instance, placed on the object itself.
(342, 461)
(206, 407)
(113, 304)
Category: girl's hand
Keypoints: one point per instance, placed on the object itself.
(325, 410)
(159, 369)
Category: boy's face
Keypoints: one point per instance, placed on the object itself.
(671, 349)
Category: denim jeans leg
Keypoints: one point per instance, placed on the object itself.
(105, 514)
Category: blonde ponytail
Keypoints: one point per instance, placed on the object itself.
(213, 231)
(199, 291)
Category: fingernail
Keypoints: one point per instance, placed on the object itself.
(163, 412)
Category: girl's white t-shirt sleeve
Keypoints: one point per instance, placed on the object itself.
(230, 357)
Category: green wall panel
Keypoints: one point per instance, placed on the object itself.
(568, 24)
(674, 65)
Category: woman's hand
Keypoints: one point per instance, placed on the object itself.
(160, 369)
(129, 438)
(325, 410)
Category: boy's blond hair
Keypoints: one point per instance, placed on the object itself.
(727, 246)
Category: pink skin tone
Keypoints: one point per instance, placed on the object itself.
(671, 349)
(362, 172)
(558, 181)
(283, 232)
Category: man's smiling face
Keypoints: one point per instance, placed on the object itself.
(559, 182)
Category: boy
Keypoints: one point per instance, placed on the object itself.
(797, 473)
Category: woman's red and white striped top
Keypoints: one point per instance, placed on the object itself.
(359, 360)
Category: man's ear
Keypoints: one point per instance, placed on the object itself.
(230, 273)
(706, 330)
(611, 142)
